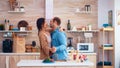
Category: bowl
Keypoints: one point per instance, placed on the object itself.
(105, 25)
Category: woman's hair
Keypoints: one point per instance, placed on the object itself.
(40, 23)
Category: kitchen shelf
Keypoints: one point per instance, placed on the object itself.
(83, 31)
(18, 33)
(105, 66)
(16, 11)
(3, 31)
(107, 29)
(83, 12)
(107, 36)
(107, 48)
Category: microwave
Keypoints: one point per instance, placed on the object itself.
(85, 47)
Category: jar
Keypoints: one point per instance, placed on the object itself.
(17, 9)
(89, 27)
(34, 49)
(29, 28)
(87, 8)
(10, 27)
(22, 9)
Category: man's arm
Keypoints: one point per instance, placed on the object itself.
(62, 42)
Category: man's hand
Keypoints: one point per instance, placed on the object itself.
(53, 49)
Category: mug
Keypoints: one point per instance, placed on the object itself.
(22, 28)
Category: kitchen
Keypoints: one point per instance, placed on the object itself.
(70, 10)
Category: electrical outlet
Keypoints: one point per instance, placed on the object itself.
(88, 35)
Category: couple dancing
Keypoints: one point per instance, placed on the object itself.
(52, 41)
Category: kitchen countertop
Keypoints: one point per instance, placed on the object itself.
(38, 63)
(17, 54)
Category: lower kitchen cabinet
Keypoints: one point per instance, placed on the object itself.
(2, 61)
(55, 67)
(10, 61)
(13, 60)
(72, 67)
(36, 67)
(92, 58)
(27, 57)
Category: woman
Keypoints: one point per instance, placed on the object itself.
(44, 38)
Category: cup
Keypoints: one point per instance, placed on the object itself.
(22, 28)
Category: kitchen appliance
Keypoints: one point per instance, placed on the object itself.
(85, 47)
(7, 46)
(70, 45)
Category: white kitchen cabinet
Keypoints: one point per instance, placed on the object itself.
(10, 60)
(13, 60)
(2, 62)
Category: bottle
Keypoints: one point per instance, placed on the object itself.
(10, 27)
(89, 8)
(86, 8)
(6, 25)
(68, 25)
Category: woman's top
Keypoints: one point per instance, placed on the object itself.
(45, 41)
(48, 38)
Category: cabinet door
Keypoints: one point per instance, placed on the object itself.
(38, 67)
(27, 57)
(2, 61)
(13, 60)
(72, 67)
(92, 58)
(37, 57)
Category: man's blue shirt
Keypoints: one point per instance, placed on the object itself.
(59, 41)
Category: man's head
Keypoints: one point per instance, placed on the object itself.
(55, 22)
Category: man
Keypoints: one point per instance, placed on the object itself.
(59, 40)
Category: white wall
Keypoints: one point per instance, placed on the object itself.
(117, 36)
(103, 7)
